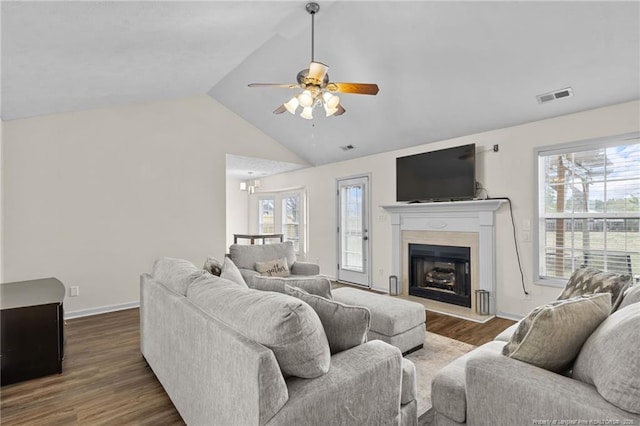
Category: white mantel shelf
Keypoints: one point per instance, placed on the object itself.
(445, 206)
(473, 216)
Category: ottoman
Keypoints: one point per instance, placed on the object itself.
(398, 322)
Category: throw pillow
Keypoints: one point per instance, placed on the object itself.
(212, 265)
(287, 326)
(231, 272)
(631, 296)
(346, 326)
(586, 280)
(551, 336)
(273, 268)
(318, 285)
(609, 359)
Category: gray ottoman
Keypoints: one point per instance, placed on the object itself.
(396, 321)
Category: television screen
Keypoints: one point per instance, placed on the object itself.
(446, 174)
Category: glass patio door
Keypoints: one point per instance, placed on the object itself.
(353, 231)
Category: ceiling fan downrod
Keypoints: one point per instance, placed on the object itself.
(312, 8)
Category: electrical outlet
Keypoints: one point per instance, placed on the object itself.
(526, 236)
(526, 225)
(527, 296)
(74, 291)
(381, 272)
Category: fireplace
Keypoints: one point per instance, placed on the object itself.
(440, 273)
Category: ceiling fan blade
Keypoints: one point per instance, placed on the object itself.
(340, 110)
(357, 88)
(317, 71)
(285, 86)
(280, 109)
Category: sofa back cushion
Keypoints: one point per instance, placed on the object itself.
(246, 256)
(346, 326)
(551, 336)
(609, 359)
(176, 274)
(287, 326)
(585, 280)
(631, 296)
(318, 285)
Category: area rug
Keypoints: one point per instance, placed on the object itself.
(438, 351)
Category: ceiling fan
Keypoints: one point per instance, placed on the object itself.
(316, 88)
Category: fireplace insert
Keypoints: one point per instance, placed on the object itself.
(440, 273)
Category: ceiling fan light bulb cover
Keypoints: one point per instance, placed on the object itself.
(330, 100)
(306, 99)
(292, 105)
(307, 113)
(330, 111)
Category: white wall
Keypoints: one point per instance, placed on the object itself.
(93, 197)
(237, 210)
(507, 173)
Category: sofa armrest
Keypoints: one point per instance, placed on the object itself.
(305, 268)
(501, 390)
(363, 386)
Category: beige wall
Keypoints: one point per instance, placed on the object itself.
(93, 197)
(237, 210)
(507, 173)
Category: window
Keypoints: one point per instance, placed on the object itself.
(266, 223)
(285, 213)
(589, 208)
(291, 219)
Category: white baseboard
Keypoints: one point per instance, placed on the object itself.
(100, 310)
(513, 317)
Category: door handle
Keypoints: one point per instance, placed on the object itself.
(365, 238)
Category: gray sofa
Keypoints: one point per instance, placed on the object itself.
(201, 335)
(245, 257)
(485, 387)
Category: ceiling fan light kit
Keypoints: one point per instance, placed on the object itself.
(315, 85)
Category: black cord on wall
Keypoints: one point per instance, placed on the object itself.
(515, 238)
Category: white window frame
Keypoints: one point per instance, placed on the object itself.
(278, 197)
(539, 190)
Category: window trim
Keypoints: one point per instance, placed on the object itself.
(277, 196)
(563, 148)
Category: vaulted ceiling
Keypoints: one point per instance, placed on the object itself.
(444, 69)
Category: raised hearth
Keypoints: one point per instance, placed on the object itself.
(465, 224)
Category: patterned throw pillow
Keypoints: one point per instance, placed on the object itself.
(551, 336)
(273, 268)
(586, 280)
(212, 265)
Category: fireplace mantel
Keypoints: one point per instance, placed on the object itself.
(476, 217)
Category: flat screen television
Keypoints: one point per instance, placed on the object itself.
(443, 175)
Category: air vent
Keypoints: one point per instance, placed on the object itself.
(347, 147)
(552, 96)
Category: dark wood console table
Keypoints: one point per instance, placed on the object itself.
(32, 329)
(254, 237)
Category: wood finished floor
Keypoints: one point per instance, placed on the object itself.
(105, 380)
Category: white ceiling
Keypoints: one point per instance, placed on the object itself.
(445, 69)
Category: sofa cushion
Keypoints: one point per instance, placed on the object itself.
(176, 274)
(232, 273)
(586, 280)
(551, 336)
(409, 385)
(212, 265)
(286, 325)
(448, 388)
(246, 256)
(318, 285)
(609, 359)
(273, 268)
(631, 296)
(346, 326)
